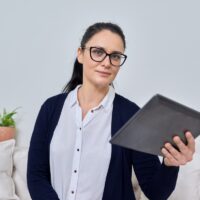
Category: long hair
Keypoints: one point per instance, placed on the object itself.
(77, 75)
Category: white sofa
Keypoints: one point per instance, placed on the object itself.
(15, 186)
(19, 173)
(19, 176)
(187, 188)
(12, 172)
(188, 182)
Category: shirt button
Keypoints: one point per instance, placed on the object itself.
(80, 128)
(75, 171)
(92, 111)
(78, 150)
(72, 192)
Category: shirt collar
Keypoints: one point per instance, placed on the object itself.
(73, 96)
(108, 99)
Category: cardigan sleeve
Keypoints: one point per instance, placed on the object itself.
(157, 180)
(38, 170)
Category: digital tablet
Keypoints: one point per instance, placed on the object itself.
(156, 123)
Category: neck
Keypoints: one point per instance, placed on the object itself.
(90, 96)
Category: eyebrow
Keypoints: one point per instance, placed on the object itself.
(106, 51)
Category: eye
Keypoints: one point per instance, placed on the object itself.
(115, 56)
(97, 52)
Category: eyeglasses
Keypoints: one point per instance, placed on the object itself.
(99, 54)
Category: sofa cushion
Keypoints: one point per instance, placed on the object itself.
(188, 183)
(19, 173)
(7, 188)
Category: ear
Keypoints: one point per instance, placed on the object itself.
(80, 55)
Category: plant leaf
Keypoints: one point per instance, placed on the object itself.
(7, 118)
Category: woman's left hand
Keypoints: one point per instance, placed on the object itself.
(173, 157)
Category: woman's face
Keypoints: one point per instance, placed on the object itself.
(100, 74)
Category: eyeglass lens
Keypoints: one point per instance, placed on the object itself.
(98, 55)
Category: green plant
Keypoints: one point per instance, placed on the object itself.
(6, 119)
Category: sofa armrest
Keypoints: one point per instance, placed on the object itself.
(19, 172)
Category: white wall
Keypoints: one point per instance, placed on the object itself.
(39, 38)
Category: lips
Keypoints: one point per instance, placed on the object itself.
(104, 73)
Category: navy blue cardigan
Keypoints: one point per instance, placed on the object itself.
(156, 180)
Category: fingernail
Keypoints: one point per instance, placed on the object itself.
(176, 138)
(188, 133)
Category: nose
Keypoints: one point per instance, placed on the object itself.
(106, 62)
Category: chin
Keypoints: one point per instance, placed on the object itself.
(102, 84)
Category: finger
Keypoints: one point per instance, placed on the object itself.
(190, 140)
(169, 163)
(174, 152)
(168, 158)
(186, 152)
(181, 146)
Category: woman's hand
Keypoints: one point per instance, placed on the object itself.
(173, 157)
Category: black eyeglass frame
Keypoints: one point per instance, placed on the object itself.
(106, 54)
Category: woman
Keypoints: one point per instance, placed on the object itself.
(70, 157)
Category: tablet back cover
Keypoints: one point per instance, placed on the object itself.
(155, 124)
